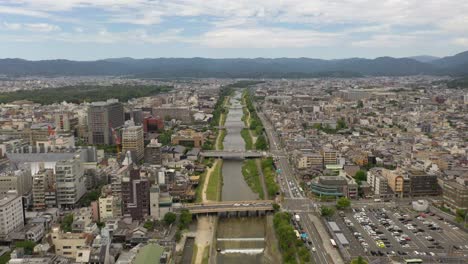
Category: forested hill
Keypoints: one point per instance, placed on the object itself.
(456, 65)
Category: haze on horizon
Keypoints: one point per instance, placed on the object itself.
(98, 29)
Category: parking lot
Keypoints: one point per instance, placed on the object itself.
(384, 231)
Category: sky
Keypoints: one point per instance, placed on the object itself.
(328, 29)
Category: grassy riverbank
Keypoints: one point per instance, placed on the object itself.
(292, 248)
(252, 177)
(215, 183)
(269, 173)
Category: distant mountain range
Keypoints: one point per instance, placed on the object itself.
(456, 65)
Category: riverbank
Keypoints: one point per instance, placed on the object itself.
(252, 177)
(211, 184)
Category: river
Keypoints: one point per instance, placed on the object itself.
(240, 239)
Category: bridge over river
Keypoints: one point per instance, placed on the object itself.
(233, 154)
(230, 208)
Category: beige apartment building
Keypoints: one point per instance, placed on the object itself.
(133, 140)
(67, 244)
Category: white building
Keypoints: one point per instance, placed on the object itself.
(70, 182)
(11, 213)
(19, 181)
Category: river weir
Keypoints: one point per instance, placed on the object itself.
(238, 239)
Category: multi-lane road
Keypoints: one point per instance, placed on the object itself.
(287, 180)
(295, 199)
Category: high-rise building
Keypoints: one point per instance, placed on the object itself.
(44, 195)
(102, 116)
(19, 181)
(133, 140)
(65, 121)
(70, 182)
(11, 213)
(153, 152)
(135, 195)
(456, 194)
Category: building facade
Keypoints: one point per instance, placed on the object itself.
(133, 140)
(135, 195)
(102, 116)
(11, 213)
(70, 182)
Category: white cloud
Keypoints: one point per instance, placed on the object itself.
(258, 37)
(12, 26)
(255, 24)
(22, 11)
(41, 27)
(461, 42)
(34, 27)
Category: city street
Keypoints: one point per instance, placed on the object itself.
(288, 181)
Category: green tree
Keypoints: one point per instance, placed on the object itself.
(169, 218)
(343, 203)
(360, 104)
(165, 137)
(341, 124)
(360, 176)
(149, 225)
(67, 222)
(27, 245)
(185, 219)
(326, 211)
(178, 236)
(460, 215)
(261, 143)
(276, 207)
(359, 260)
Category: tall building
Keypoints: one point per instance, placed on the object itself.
(135, 195)
(19, 181)
(65, 121)
(109, 207)
(133, 140)
(456, 194)
(102, 116)
(378, 183)
(423, 184)
(398, 181)
(153, 152)
(11, 213)
(153, 124)
(44, 194)
(70, 182)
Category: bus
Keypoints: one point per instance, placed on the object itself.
(413, 261)
(333, 242)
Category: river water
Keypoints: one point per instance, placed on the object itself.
(240, 239)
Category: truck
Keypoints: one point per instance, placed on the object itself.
(297, 217)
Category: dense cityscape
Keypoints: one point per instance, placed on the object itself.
(211, 170)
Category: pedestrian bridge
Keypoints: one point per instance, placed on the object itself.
(233, 154)
(231, 208)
